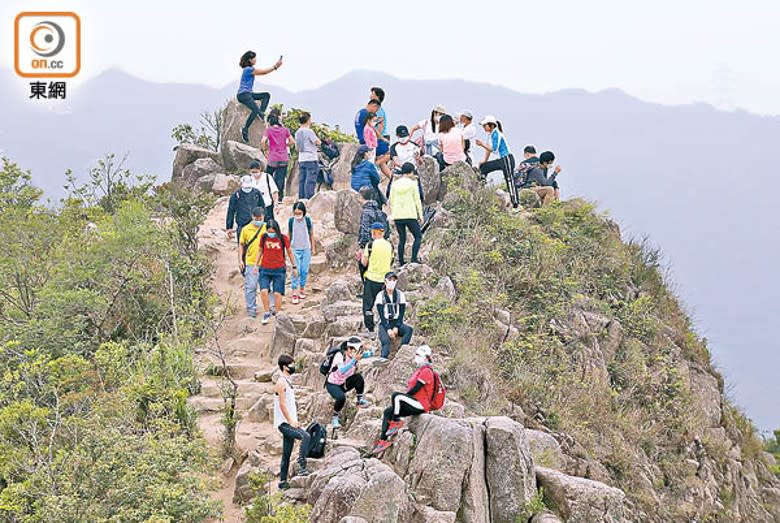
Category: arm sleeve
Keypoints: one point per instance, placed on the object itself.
(348, 365)
(401, 309)
(375, 179)
(231, 212)
(418, 204)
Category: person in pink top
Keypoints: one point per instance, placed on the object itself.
(344, 376)
(275, 144)
(369, 131)
(452, 146)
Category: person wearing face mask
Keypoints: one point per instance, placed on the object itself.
(301, 232)
(391, 307)
(404, 150)
(416, 400)
(406, 211)
(344, 377)
(248, 247)
(430, 132)
(286, 421)
(264, 182)
(240, 206)
(271, 266)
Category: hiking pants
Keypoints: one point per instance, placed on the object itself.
(303, 261)
(279, 174)
(307, 179)
(404, 334)
(547, 194)
(339, 392)
(414, 228)
(251, 279)
(402, 405)
(370, 291)
(289, 435)
(248, 99)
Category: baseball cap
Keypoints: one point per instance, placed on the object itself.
(467, 114)
(488, 119)
(440, 109)
(377, 226)
(246, 181)
(354, 342)
(391, 275)
(402, 131)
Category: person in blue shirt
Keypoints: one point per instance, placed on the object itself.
(383, 133)
(246, 95)
(364, 174)
(497, 146)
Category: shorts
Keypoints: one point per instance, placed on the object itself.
(382, 148)
(275, 276)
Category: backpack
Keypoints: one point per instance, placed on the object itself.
(428, 214)
(521, 173)
(439, 392)
(290, 227)
(319, 437)
(327, 364)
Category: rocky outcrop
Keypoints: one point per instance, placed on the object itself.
(234, 118)
(579, 500)
(342, 171)
(348, 208)
(198, 169)
(187, 153)
(456, 175)
(223, 184)
(237, 155)
(509, 469)
(430, 177)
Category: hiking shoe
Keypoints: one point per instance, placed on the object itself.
(381, 360)
(394, 427)
(245, 135)
(363, 403)
(266, 317)
(295, 299)
(284, 485)
(252, 315)
(381, 446)
(335, 423)
(302, 295)
(303, 473)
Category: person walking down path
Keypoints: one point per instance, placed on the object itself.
(286, 422)
(276, 143)
(344, 377)
(416, 400)
(497, 146)
(364, 174)
(264, 183)
(377, 257)
(240, 206)
(248, 250)
(407, 211)
(301, 232)
(452, 146)
(271, 261)
(391, 307)
(308, 161)
(247, 96)
(370, 214)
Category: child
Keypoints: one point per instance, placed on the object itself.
(301, 232)
(369, 132)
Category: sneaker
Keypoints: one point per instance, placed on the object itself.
(335, 423)
(363, 403)
(284, 485)
(252, 315)
(302, 473)
(381, 446)
(266, 317)
(295, 300)
(394, 427)
(381, 359)
(245, 135)
(302, 295)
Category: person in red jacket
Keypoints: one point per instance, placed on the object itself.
(416, 400)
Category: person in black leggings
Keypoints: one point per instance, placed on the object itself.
(505, 161)
(246, 95)
(406, 210)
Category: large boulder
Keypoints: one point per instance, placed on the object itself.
(342, 171)
(457, 174)
(348, 208)
(322, 204)
(187, 153)
(707, 396)
(509, 469)
(225, 184)
(233, 121)
(198, 169)
(283, 338)
(545, 449)
(237, 155)
(545, 517)
(430, 178)
(580, 500)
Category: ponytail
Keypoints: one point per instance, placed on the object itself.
(500, 127)
(433, 122)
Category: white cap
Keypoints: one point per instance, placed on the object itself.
(246, 181)
(467, 114)
(440, 109)
(424, 351)
(489, 119)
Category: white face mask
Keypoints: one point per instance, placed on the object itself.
(390, 285)
(404, 140)
(420, 360)
(246, 189)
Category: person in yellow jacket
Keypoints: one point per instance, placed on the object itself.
(406, 210)
(248, 246)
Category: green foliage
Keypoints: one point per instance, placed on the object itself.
(109, 184)
(210, 133)
(323, 131)
(267, 508)
(533, 506)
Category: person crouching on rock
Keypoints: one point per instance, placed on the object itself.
(391, 306)
(344, 377)
(286, 421)
(417, 399)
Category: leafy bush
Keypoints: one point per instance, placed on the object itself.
(271, 508)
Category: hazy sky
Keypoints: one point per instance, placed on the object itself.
(664, 51)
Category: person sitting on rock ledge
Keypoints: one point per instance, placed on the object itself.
(416, 400)
(534, 169)
(364, 173)
(344, 377)
(391, 307)
(286, 421)
(452, 146)
(246, 96)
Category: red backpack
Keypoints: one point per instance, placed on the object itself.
(439, 392)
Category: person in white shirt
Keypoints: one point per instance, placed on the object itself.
(404, 150)
(469, 135)
(430, 130)
(286, 421)
(264, 182)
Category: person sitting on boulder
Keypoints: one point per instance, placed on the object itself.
(416, 400)
(240, 207)
(452, 146)
(406, 211)
(373, 106)
(370, 133)
(248, 247)
(264, 183)
(271, 261)
(370, 214)
(364, 173)
(301, 232)
(534, 170)
(276, 143)
(391, 306)
(246, 96)
(344, 377)
(377, 257)
(383, 134)
(430, 132)
(286, 421)
(469, 135)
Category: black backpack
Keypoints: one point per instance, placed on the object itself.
(327, 364)
(319, 437)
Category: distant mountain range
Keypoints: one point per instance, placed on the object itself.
(701, 183)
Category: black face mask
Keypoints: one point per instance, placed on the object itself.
(291, 369)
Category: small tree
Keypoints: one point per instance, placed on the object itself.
(211, 131)
(110, 183)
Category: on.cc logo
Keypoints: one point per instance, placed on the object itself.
(47, 44)
(47, 38)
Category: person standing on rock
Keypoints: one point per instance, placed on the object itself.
(240, 207)
(264, 183)
(377, 257)
(286, 421)
(276, 142)
(407, 211)
(370, 214)
(301, 232)
(271, 266)
(344, 377)
(416, 400)
(391, 307)
(246, 95)
(248, 250)
(469, 135)
(308, 161)
(364, 173)
(497, 146)
(452, 146)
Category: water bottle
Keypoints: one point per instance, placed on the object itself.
(368, 354)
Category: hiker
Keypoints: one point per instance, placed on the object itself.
(264, 183)
(532, 173)
(373, 106)
(429, 128)
(370, 214)
(406, 210)
(286, 421)
(240, 206)
(344, 377)
(505, 161)
(377, 257)
(308, 161)
(301, 232)
(364, 173)
(271, 261)
(275, 143)
(416, 400)
(248, 247)
(466, 120)
(404, 150)
(245, 94)
(391, 306)
(369, 132)
(383, 134)
(452, 146)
